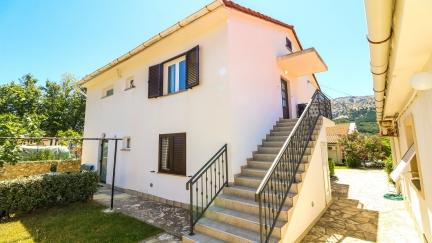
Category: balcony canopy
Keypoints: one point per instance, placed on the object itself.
(303, 62)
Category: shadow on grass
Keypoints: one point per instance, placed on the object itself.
(78, 222)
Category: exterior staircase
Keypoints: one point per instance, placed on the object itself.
(233, 216)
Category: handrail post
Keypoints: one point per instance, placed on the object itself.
(190, 208)
(226, 164)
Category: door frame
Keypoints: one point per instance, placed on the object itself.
(287, 95)
(101, 157)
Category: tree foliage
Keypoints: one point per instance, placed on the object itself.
(32, 110)
(360, 148)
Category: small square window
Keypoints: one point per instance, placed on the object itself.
(172, 153)
(126, 143)
(108, 92)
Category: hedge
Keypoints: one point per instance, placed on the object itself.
(26, 194)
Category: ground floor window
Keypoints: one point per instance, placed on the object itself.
(172, 153)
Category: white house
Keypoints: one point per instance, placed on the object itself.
(224, 75)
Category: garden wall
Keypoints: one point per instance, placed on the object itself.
(29, 168)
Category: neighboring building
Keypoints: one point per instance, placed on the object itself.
(334, 134)
(224, 75)
(400, 36)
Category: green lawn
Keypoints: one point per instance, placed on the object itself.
(78, 222)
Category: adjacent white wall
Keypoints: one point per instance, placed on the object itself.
(419, 203)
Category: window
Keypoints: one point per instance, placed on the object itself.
(414, 163)
(108, 92)
(172, 153)
(175, 75)
(288, 44)
(130, 83)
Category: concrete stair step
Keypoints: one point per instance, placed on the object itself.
(242, 220)
(247, 205)
(257, 172)
(201, 238)
(274, 147)
(226, 232)
(278, 138)
(272, 156)
(260, 164)
(249, 193)
(254, 182)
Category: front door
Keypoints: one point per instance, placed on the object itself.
(284, 91)
(103, 161)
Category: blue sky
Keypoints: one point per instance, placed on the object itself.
(48, 38)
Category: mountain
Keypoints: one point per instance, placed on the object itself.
(358, 109)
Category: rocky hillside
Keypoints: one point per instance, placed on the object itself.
(358, 109)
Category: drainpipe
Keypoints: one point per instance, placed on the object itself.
(379, 14)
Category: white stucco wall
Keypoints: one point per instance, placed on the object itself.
(255, 82)
(419, 203)
(237, 101)
(312, 198)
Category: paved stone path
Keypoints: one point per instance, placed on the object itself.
(360, 213)
(171, 219)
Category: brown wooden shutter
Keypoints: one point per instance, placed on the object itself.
(179, 153)
(192, 67)
(155, 81)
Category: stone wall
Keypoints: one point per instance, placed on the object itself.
(29, 168)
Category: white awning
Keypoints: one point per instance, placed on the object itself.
(302, 62)
(402, 165)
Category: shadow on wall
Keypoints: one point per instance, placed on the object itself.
(345, 219)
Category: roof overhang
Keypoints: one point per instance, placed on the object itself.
(304, 62)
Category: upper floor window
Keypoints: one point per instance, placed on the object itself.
(175, 75)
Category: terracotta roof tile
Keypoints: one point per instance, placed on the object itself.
(336, 132)
(249, 11)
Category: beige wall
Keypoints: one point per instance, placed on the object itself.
(419, 202)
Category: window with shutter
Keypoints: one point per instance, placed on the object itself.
(192, 67)
(172, 153)
(155, 81)
(174, 75)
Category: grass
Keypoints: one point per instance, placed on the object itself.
(341, 167)
(78, 222)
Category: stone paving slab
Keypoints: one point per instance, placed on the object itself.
(360, 213)
(172, 219)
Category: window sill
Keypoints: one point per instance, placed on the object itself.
(178, 92)
(130, 88)
(125, 149)
(106, 96)
(171, 174)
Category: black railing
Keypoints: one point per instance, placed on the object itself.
(206, 184)
(274, 188)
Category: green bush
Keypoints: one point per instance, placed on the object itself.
(331, 167)
(26, 194)
(388, 167)
(353, 162)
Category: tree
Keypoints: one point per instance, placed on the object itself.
(360, 148)
(63, 105)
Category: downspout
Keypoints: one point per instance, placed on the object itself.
(379, 14)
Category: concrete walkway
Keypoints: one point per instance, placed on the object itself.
(173, 220)
(360, 213)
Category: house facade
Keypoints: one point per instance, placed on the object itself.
(334, 134)
(400, 34)
(226, 75)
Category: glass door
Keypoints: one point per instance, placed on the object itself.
(284, 93)
(103, 163)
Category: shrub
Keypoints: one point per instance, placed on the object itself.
(26, 194)
(353, 162)
(388, 167)
(331, 167)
